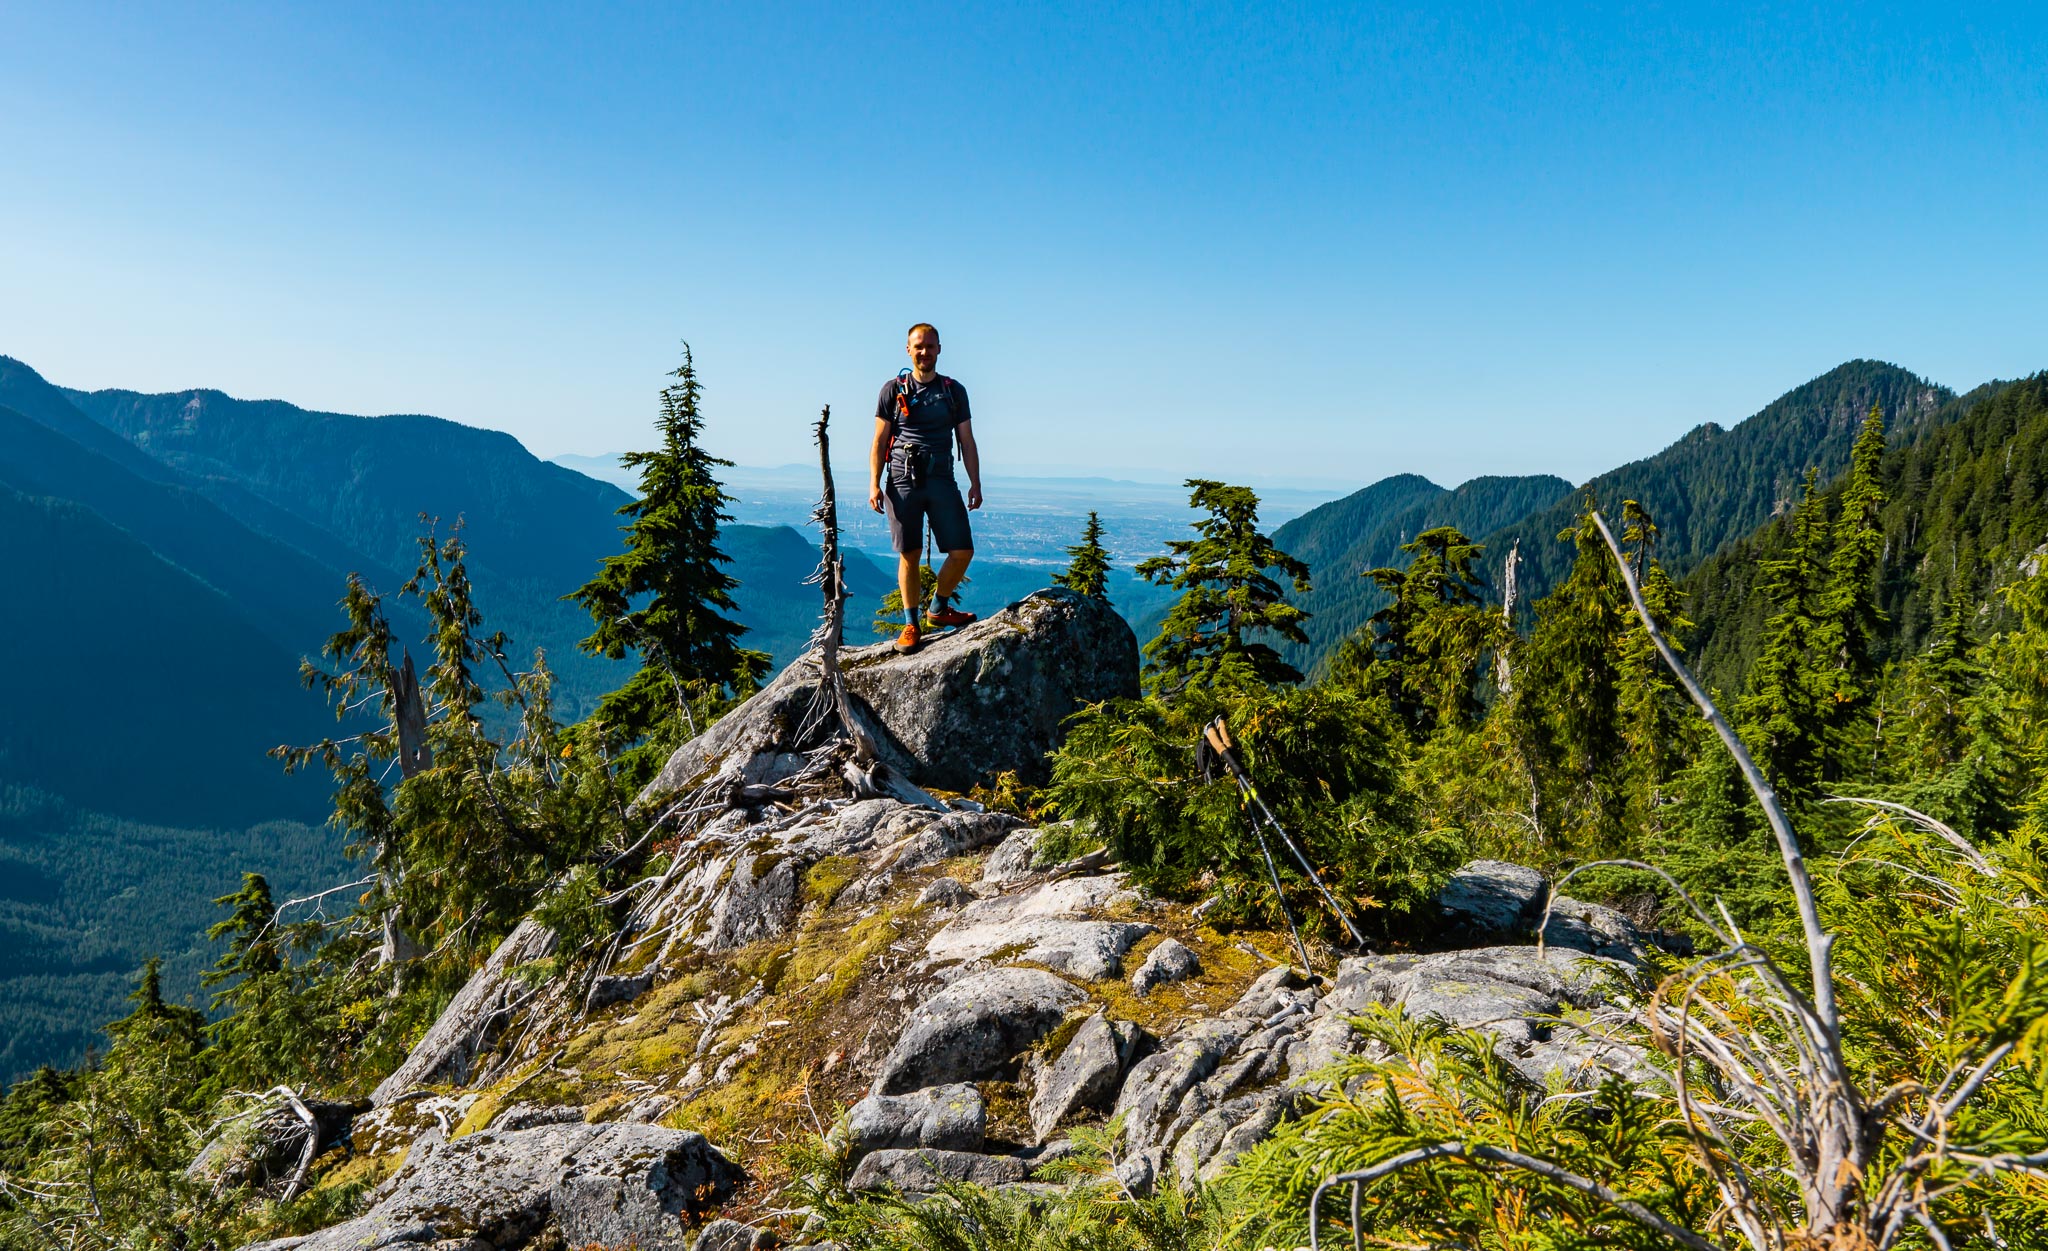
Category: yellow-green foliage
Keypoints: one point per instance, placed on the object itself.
(843, 952)
(824, 880)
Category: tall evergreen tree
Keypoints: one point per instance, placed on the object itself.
(155, 1016)
(1088, 564)
(1226, 595)
(1571, 700)
(1852, 621)
(1786, 708)
(266, 1032)
(1423, 650)
(672, 569)
(254, 950)
(1651, 712)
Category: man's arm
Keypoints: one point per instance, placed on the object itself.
(877, 454)
(970, 456)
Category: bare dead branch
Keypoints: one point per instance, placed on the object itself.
(1511, 1159)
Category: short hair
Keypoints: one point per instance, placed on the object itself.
(911, 333)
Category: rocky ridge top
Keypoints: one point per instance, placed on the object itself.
(965, 987)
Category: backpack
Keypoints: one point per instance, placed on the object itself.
(903, 402)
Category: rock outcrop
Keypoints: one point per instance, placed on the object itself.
(1169, 962)
(480, 1009)
(989, 698)
(608, 1184)
(1491, 900)
(1085, 1075)
(944, 1118)
(976, 1028)
(914, 963)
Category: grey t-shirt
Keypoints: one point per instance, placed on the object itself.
(935, 408)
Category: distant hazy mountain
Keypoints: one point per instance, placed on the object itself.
(1344, 539)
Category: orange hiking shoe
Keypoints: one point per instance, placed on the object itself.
(908, 640)
(946, 617)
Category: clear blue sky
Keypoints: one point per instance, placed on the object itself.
(1321, 242)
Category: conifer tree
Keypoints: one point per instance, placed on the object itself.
(672, 569)
(267, 1032)
(1226, 595)
(1853, 622)
(1650, 713)
(253, 952)
(1572, 704)
(155, 1016)
(1786, 710)
(1422, 651)
(1088, 566)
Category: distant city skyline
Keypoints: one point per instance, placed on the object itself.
(1292, 245)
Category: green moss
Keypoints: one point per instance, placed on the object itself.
(845, 955)
(824, 880)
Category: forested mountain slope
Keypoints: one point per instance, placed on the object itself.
(1711, 487)
(366, 480)
(160, 595)
(1718, 484)
(1344, 539)
(281, 590)
(1966, 505)
(134, 787)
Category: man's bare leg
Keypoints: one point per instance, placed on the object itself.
(953, 571)
(910, 584)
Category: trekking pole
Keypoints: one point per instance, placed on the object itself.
(1210, 733)
(1219, 738)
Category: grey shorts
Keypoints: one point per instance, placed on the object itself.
(937, 497)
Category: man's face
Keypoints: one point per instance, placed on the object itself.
(924, 351)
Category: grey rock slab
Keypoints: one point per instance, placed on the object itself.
(990, 697)
(975, 1029)
(951, 1118)
(757, 900)
(639, 1185)
(1084, 1076)
(920, 1171)
(1045, 925)
(859, 827)
(619, 988)
(1595, 929)
(724, 1235)
(1217, 1137)
(532, 1115)
(1011, 860)
(1493, 897)
(1170, 961)
(1514, 994)
(503, 1185)
(470, 1021)
(954, 834)
(1279, 989)
(1139, 1171)
(1157, 1086)
(1091, 950)
(945, 892)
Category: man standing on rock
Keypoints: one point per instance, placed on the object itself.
(916, 418)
